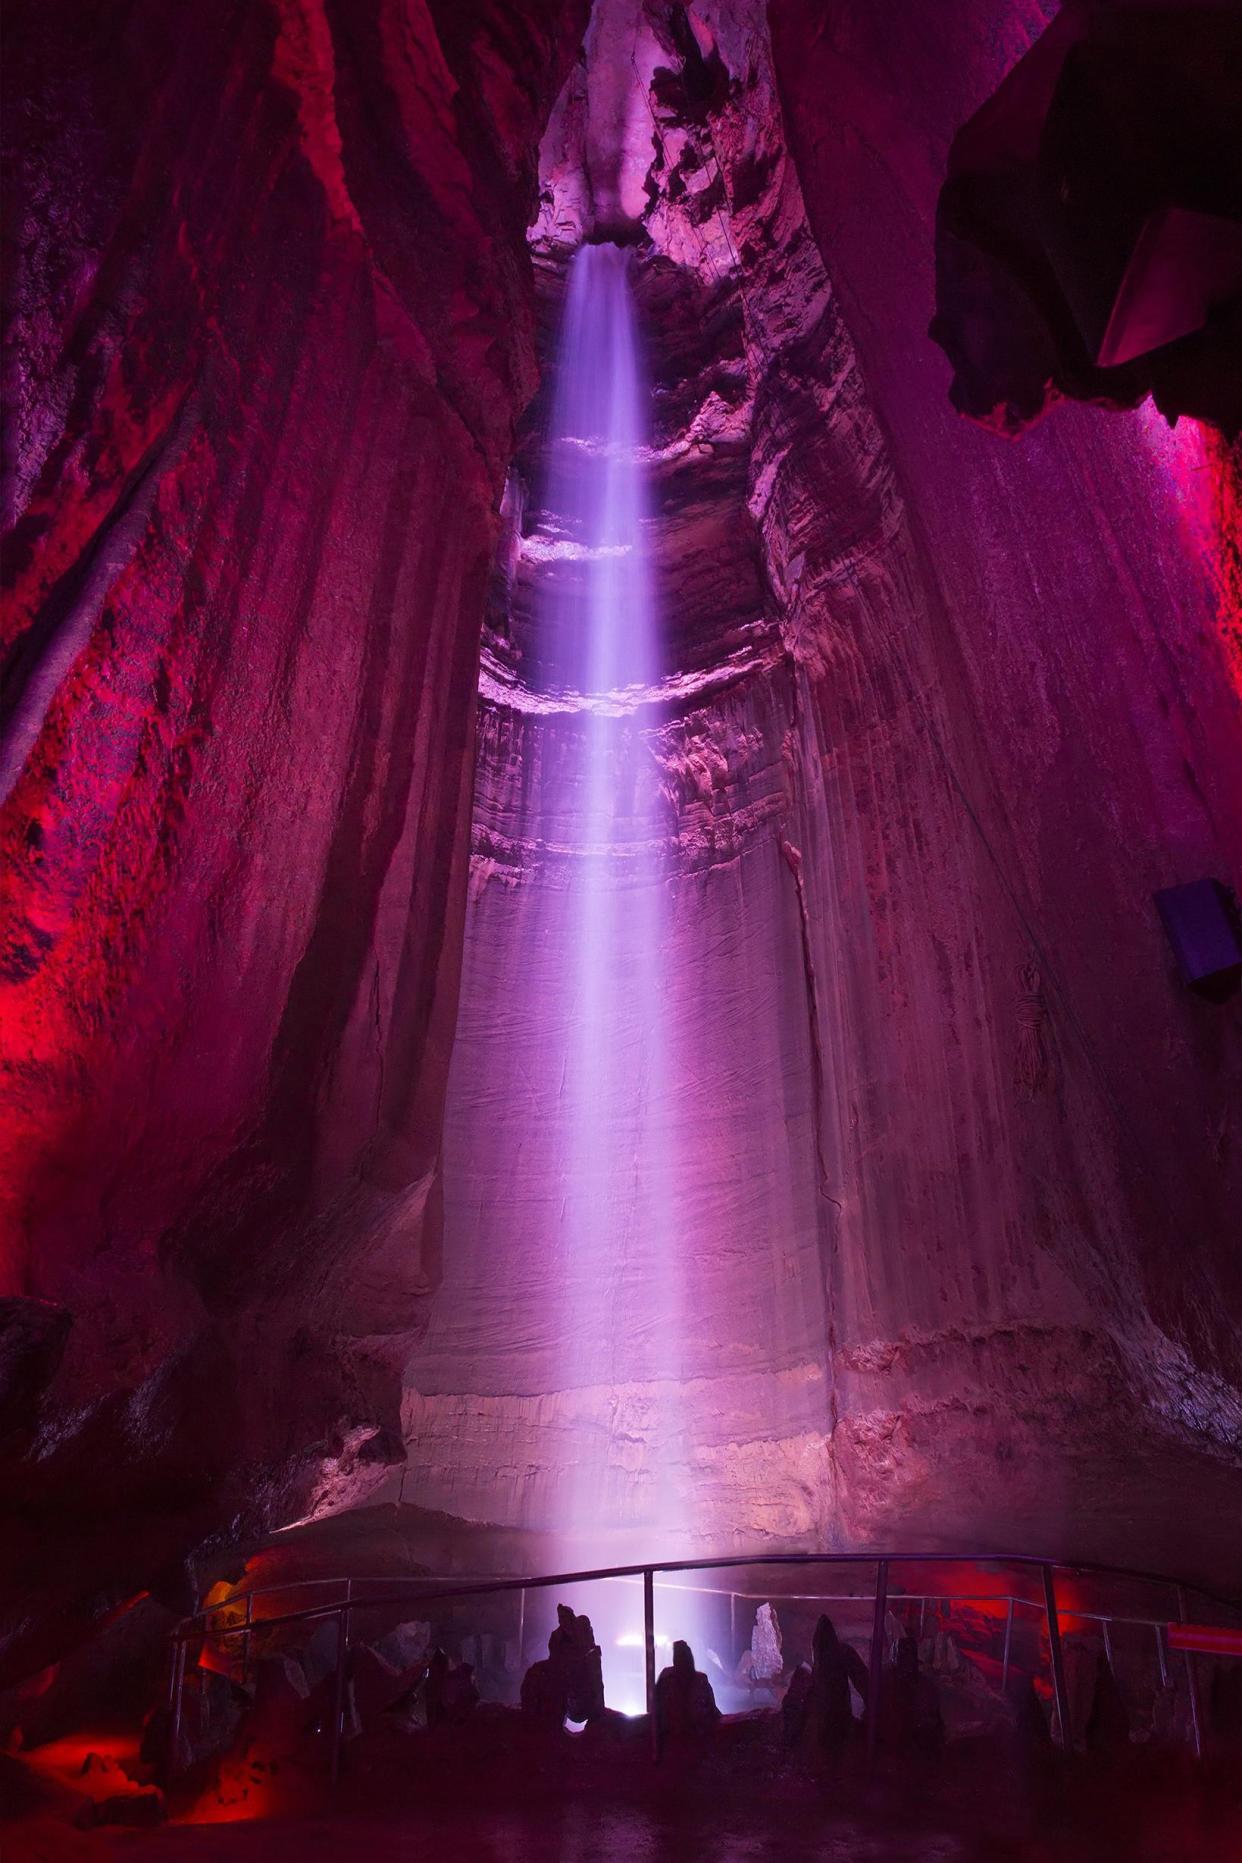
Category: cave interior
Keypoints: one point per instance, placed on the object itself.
(622, 792)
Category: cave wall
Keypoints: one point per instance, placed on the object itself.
(591, 1416)
(945, 712)
(980, 707)
(268, 326)
(1053, 1107)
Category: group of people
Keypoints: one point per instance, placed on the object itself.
(817, 1711)
(817, 1708)
(568, 1684)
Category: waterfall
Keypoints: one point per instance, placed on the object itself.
(568, 1342)
(617, 1245)
(597, 442)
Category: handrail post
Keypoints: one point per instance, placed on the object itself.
(1008, 1643)
(246, 1640)
(338, 1693)
(875, 1681)
(1192, 1688)
(178, 1694)
(1059, 1692)
(649, 1653)
(521, 1629)
(1164, 1667)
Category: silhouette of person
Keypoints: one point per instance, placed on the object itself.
(569, 1685)
(434, 1688)
(818, 1702)
(1030, 1721)
(544, 1693)
(584, 1672)
(1108, 1724)
(911, 1705)
(685, 1701)
(460, 1694)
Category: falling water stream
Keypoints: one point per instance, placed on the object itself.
(570, 1380)
(618, 1269)
(624, 1355)
(617, 1246)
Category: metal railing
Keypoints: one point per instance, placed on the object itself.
(425, 1589)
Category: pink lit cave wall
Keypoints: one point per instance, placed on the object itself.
(952, 1156)
(930, 1231)
(271, 325)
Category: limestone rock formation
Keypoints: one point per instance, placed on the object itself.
(1089, 231)
(269, 325)
(957, 1199)
(1059, 719)
(959, 1168)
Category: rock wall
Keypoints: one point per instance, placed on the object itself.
(1036, 1268)
(958, 1205)
(268, 327)
(954, 1142)
(706, 1431)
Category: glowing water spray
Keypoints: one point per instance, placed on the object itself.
(617, 1244)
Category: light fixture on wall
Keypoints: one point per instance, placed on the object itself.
(1201, 923)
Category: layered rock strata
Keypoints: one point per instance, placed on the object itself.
(269, 324)
(1079, 1125)
(958, 1192)
(958, 1203)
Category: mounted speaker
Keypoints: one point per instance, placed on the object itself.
(1200, 920)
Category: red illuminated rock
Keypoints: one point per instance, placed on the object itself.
(1034, 1267)
(958, 1173)
(268, 311)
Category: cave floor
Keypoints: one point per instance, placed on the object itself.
(568, 1833)
(578, 1832)
(449, 1804)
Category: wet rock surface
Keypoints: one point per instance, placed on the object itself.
(1089, 233)
(269, 323)
(940, 714)
(960, 1162)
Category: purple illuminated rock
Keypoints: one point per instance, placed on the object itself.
(942, 713)
(957, 1180)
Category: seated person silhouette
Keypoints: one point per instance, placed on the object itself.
(910, 1705)
(685, 1702)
